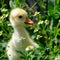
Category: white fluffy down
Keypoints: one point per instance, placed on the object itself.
(20, 38)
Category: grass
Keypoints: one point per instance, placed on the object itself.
(45, 31)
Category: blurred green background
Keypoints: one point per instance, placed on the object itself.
(45, 32)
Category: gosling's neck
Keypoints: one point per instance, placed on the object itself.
(21, 31)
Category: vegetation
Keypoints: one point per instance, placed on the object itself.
(45, 31)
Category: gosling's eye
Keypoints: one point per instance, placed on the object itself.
(20, 16)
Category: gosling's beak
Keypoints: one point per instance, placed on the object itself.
(28, 21)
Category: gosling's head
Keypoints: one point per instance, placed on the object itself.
(19, 17)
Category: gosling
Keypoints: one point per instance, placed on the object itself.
(20, 38)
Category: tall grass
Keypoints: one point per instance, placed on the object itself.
(45, 31)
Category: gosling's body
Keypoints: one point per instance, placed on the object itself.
(20, 38)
